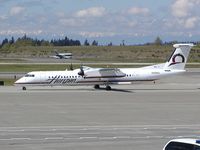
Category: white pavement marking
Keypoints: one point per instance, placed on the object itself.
(113, 127)
(20, 138)
(54, 138)
(87, 137)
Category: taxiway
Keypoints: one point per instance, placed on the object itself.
(130, 117)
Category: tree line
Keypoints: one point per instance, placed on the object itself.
(27, 41)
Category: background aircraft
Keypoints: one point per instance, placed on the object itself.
(62, 55)
(107, 76)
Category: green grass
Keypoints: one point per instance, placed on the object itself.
(147, 53)
(8, 82)
(8, 60)
(50, 67)
(28, 68)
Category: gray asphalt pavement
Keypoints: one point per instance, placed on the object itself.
(130, 117)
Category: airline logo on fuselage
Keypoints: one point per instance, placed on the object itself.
(58, 80)
(177, 59)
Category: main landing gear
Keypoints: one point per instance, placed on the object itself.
(108, 88)
(23, 88)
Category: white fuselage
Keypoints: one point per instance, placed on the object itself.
(62, 56)
(106, 76)
(63, 78)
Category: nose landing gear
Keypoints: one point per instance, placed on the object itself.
(96, 86)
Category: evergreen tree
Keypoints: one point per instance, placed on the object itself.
(158, 41)
(86, 43)
(95, 43)
(5, 41)
(110, 44)
(12, 40)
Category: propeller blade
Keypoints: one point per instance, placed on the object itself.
(81, 72)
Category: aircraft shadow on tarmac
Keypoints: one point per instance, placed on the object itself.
(80, 89)
(130, 90)
(118, 90)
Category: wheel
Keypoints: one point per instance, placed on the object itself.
(96, 86)
(108, 88)
(24, 88)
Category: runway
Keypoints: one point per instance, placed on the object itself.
(130, 117)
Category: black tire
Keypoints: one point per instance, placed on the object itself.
(23, 88)
(108, 88)
(96, 86)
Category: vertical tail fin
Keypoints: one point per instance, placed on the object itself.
(179, 57)
(56, 52)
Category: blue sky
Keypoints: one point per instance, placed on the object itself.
(135, 21)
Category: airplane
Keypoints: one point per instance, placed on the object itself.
(62, 55)
(108, 76)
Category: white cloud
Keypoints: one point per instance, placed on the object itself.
(96, 34)
(71, 22)
(91, 12)
(16, 10)
(132, 23)
(191, 22)
(184, 8)
(180, 8)
(138, 11)
(3, 17)
(20, 32)
(186, 14)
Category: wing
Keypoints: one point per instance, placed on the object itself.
(104, 73)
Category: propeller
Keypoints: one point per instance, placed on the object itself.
(81, 72)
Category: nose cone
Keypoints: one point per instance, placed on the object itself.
(20, 81)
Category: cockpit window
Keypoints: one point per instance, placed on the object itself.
(29, 75)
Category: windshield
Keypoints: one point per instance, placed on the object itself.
(29, 75)
(181, 146)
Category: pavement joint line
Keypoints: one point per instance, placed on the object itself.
(100, 138)
(96, 127)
